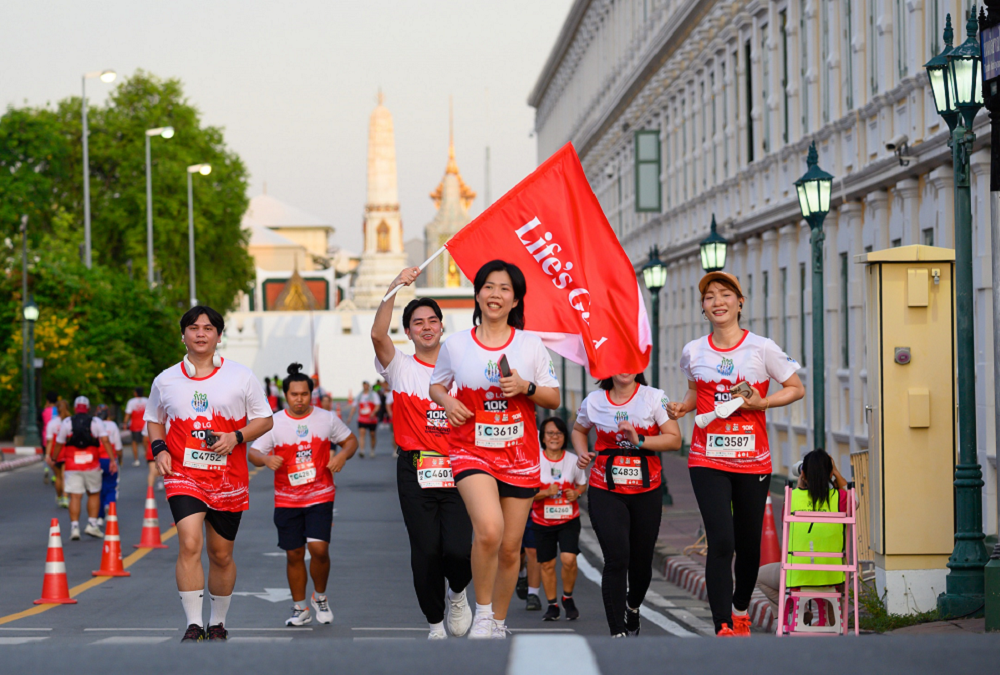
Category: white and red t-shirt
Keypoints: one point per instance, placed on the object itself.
(221, 402)
(82, 459)
(502, 438)
(52, 428)
(419, 423)
(368, 404)
(135, 409)
(738, 443)
(303, 478)
(113, 434)
(646, 410)
(556, 510)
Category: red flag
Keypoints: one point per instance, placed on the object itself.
(583, 295)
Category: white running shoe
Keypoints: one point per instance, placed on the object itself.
(322, 607)
(300, 616)
(159, 483)
(437, 635)
(135, 462)
(75, 533)
(482, 627)
(499, 631)
(92, 531)
(459, 613)
(100, 522)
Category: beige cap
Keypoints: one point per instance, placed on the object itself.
(719, 276)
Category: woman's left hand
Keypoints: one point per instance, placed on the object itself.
(631, 434)
(513, 385)
(754, 401)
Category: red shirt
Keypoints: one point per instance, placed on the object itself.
(419, 423)
(368, 404)
(82, 459)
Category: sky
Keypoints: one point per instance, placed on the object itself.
(293, 84)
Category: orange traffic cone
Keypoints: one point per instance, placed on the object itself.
(338, 410)
(111, 560)
(150, 524)
(55, 588)
(770, 550)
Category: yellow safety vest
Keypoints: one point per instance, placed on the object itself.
(820, 537)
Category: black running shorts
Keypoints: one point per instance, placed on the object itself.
(298, 525)
(225, 523)
(370, 426)
(564, 535)
(505, 489)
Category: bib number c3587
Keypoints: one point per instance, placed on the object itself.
(301, 474)
(557, 509)
(434, 471)
(206, 460)
(730, 446)
(627, 471)
(498, 429)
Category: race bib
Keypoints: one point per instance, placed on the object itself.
(627, 471)
(434, 471)
(557, 509)
(498, 429)
(83, 457)
(206, 460)
(730, 439)
(301, 474)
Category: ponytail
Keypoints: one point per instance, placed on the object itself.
(295, 374)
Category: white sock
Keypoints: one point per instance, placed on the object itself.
(455, 597)
(92, 522)
(532, 590)
(737, 612)
(438, 628)
(191, 601)
(74, 524)
(484, 610)
(319, 596)
(501, 624)
(220, 606)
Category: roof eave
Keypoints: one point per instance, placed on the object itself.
(562, 45)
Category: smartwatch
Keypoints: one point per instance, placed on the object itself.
(239, 437)
(642, 439)
(531, 389)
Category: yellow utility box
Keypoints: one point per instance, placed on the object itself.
(910, 332)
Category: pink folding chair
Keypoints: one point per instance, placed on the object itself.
(792, 601)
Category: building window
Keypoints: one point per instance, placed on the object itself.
(784, 307)
(382, 237)
(765, 69)
(896, 243)
(900, 31)
(783, 17)
(684, 144)
(824, 66)
(647, 171)
(847, 55)
(725, 122)
(871, 50)
(804, 67)
(714, 115)
(704, 131)
(845, 334)
(934, 26)
(802, 312)
(749, 104)
(767, 308)
(927, 236)
(748, 305)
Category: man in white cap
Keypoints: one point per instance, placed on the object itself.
(82, 442)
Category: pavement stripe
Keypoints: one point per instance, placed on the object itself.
(392, 629)
(261, 639)
(270, 630)
(541, 630)
(648, 612)
(24, 630)
(20, 640)
(130, 640)
(369, 639)
(533, 654)
(120, 630)
(87, 585)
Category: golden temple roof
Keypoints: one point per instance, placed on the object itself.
(465, 193)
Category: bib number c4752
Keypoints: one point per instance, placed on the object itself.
(498, 429)
(434, 471)
(557, 509)
(730, 446)
(206, 460)
(301, 474)
(627, 471)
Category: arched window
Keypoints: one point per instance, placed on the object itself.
(383, 237)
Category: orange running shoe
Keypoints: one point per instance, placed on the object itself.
(725, 631)
(741, 625)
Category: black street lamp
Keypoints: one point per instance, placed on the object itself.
(29, 426)
(959, 80)
(654, 273)
(713, 250)
(814, 201)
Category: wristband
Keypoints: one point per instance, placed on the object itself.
(642, 439)
(239, 437)
(158, 446)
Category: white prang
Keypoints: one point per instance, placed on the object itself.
(722, 411)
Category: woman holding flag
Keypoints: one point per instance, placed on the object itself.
(501, 373)
(730, 460)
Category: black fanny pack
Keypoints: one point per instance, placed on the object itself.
(611, 453)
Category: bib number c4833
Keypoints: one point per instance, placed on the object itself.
(434, 471)
(301, 474)
(557, 509)
(498, 429)
(627, 471)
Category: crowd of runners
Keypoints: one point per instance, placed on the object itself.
(489, 489)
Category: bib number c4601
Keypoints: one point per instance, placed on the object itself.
(627, 471)
(730, 446)
(557, 509)
(498, 429)
(434, 471)
(301, 474)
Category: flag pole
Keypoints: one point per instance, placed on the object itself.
(422, 266)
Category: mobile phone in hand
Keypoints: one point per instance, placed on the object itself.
(741, 389)
(504, 366)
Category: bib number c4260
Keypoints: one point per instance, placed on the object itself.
(434, 471)
(498, 429)
(206, 460)
(627, 471)
(557, 509)
(301, 474)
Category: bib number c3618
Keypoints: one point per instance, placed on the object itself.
(498, 429)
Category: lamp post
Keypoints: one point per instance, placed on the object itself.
(654, 273)
(958, 96)
(29, 426)
(814, 201)
(163, 132)
(107, 76)
(713, 250)
(204, 170)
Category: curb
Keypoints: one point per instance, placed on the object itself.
(690, 575)
(21, 461)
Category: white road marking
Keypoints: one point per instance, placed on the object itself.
(20, 640)
(533, 654)
(270, 594)
(261, 639)
(270, 630)
(368, 639)
(648, 613)
(654, 598)
(282, 554)
(21, 630)
(541, 630)
(127, 640)
(116, 630)
(391, 629)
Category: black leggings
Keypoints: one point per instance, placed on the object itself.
(732, 508)
(626, 526)
(440, 538)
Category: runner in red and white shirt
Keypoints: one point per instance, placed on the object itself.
(436, 520)
(297, 449)
(366, 410)
(730, 460)
(625, 504)
(135, 411)
(555, 515)
(212, 407)
(501, 374)
(51, 430)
